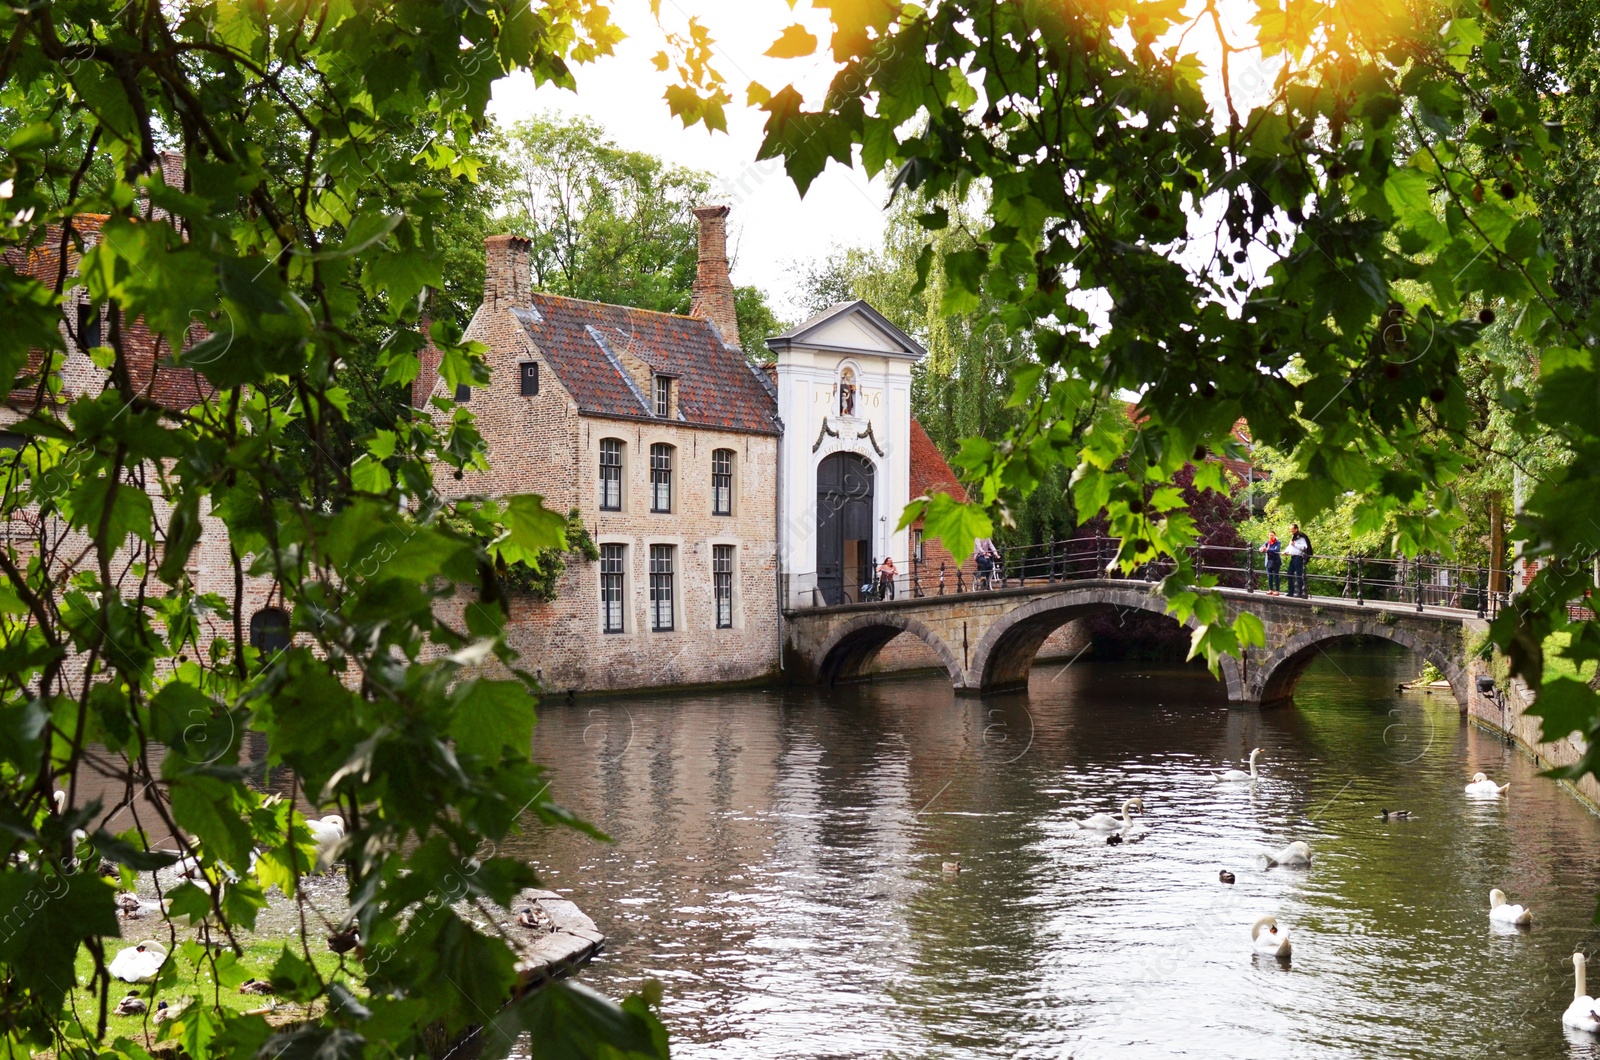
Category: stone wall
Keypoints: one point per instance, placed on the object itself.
(1506, 713)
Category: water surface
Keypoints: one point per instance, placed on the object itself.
(778, 866)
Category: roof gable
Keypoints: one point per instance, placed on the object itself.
(850, 327)
(589, 346)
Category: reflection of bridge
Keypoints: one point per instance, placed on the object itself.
(987, 640)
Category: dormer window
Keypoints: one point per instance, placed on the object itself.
(663, 396)
(847, 392)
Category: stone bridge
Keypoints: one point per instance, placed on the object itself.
(987, 640)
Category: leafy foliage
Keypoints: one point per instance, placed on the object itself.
(321, 142)
(1315, 261)
(609, 224)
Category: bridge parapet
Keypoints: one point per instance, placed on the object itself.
(987, 640)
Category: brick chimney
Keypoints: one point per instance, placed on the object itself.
(428, 365)
(713, 290)
(507, 280)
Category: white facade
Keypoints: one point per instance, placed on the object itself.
(818, 362)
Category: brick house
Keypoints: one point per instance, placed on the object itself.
(153, 379)
(713, 489)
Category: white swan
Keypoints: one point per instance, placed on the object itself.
(328, 833)
(1104, 822)
(139, 964)
(1503, 913)
(1239, 774)
(1269, 938)
(1296, 853)
(1484, 788)
(1581, 1014)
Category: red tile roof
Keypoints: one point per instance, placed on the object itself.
(585, 344)
(930, 473)
(174, 388)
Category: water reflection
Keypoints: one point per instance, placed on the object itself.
(778, 864)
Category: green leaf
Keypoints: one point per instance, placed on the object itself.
(491, 716)
(572, 1022)
(47, 917)
(1567, 706)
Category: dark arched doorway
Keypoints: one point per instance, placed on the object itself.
(844, 526)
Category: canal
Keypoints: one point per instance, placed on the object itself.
(778, 864)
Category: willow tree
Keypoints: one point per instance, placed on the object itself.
(284, 229)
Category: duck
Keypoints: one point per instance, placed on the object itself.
(538, 920)
(1239, 774)
(1104, 822)
(1399, 815)
(132, 1005)
(140, 963)
(1501, 912)
(952, 867)
(1225, 876)
(1271, 939)
(1581, 1014)
(328, 833)
(255, 986)
(1483, 787)
(165, 1012)
(344, 941)
(1114, 839)
(1296, 853)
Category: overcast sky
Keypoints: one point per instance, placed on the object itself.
(772, 227)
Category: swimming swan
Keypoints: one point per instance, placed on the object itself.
(1296, 853)
(1104, 822)
(139, 964)
(1269, 938)
(1503, 913)
(1581, 1014)
(1239, 774)
(1483, 787)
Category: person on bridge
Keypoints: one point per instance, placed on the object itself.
(1274, 552)
(886, 576)
(984, 554)
(1299, 552)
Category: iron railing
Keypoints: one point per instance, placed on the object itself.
(1421, 583)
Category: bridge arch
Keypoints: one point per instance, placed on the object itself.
(1273, 678)
(848, 652)
(1004, 656)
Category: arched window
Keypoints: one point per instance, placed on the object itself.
(661, 477)
(269, 630)
(847, 391)
(722, 482)
(611, 474)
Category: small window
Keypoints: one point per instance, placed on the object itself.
(660, 478)
(663, 396)
(722, 482)
(611, 568)
(12, 440)
(916, 546)
(269, 630)
(88, 326)
(611, 474)
(530, 379)
(847, 392)
(463, 393)
(661, 560)
(722, 583)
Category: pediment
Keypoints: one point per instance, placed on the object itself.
(850, 327)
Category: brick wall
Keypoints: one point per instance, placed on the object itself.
(713, 289)
(544, 444)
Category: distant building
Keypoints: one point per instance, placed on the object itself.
(717, 492)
